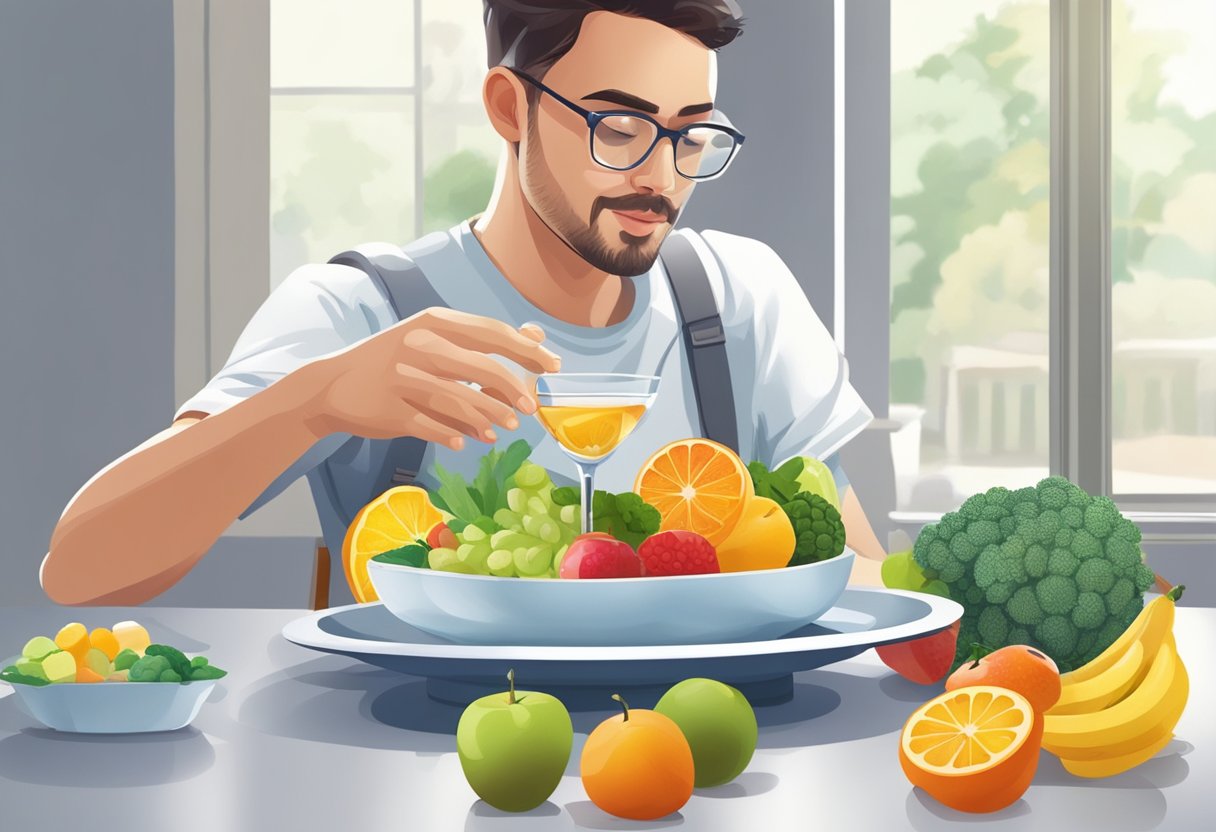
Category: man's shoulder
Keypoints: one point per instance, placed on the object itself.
(748, 273)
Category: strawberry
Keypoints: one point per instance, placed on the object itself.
(922, 660)
(678, 552)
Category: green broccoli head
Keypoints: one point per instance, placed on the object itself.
(1048, 566)
(818, 529)
(148, 669)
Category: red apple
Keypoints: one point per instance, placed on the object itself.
(922, 660)
(600, 555)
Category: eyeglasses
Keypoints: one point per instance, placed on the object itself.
(624, 139)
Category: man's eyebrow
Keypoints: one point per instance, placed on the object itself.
(628, 100)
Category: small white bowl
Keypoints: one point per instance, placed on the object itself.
(115, 707)
(684, 609)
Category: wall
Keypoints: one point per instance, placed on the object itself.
(86, 255)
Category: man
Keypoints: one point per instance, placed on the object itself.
(559, 272)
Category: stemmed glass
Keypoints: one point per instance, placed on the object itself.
(590, 414)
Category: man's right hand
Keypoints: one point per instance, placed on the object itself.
(411, 380)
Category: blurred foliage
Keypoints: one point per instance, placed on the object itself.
(456, 189)
(970, 190)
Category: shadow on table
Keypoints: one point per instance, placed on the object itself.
(589, 816)
(52, 758)
(856, 707)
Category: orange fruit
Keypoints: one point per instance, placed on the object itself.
(1026, 670)
(974, 749)
(762, 539)
(396, 518)
(74, 639)
(637, 765)
(697, 485)
(103, 639)
(86, 674)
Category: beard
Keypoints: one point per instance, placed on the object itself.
(630, 255)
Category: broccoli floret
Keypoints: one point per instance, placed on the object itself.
(1057, 636)
(973, 595)
(1088, 614)
(999, 592)
(125, 658)
(148, 669)
(1051, 494)
(1095, 575)
(1101, 514)
(1019, 635)
(1123, 555)
(984, 533)
(176, 658)
(1008, 525)
(996, 564)
(1143, 578)
(625, 516)
(1035, 562)
(1049, 524)
(1024, 607)
(993, 626)
(1064, 539)
(1062, 562)
(963, 548)
(1126, 530)
(1120, 596)
(1056, 594)
(1085, 545)
(818, 529)
(1072, 517)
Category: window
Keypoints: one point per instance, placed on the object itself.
(971, 245)
(1163, 264)
(377, 129)
(970, 276)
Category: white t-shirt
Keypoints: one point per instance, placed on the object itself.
(791, 387)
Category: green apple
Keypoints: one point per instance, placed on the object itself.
(31, 667)
(514, 746)
(59, 667)
(719, 724)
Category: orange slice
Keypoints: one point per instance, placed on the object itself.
(396, 518)
(698, 485)
(974, 749)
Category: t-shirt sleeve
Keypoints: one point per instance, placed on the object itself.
(317, 310)
(803, 403)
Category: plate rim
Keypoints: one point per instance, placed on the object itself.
(942, 613)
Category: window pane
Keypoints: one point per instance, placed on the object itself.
(1163, 263)
(341, 173)
(355, 43)
(459, 148)
(969, 247)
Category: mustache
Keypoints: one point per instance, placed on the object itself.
(660, 205)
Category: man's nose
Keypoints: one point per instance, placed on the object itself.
(658, 173)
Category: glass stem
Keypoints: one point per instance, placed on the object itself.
(586, 481)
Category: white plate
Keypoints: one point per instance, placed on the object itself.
(862, 618)
(683, 609)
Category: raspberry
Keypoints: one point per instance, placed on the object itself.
(677, 553)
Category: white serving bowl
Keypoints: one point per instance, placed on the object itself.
(684, 609)
(115, 707)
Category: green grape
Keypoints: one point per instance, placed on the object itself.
(441, 558)
(530, 475)
(474, 555)
(517, 500)
(533, 561)
(501, 563)
(532, 524)
(507, 519)
(557, 558)
(549, 532)
(473, 533)
(537, 506)
(568, 515)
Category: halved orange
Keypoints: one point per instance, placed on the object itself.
(698, 485)
(398, 517)
(974, 749)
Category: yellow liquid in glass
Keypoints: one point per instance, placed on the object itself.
(591, 432)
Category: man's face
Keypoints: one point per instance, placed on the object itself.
(615, 220)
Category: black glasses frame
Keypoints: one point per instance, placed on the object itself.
(594, 117)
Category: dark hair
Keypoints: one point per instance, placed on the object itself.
(531, 35)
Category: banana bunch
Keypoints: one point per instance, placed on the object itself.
(1121, 708)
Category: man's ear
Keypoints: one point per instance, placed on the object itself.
(506, 103)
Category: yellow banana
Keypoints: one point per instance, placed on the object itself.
(1107, 687)
(1156, 619)
(1163, 689)
(1111, 766)
(1120, 757)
